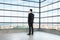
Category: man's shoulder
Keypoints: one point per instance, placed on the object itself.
(32, 14)
(29, 14)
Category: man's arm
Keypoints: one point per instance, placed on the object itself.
(28, 17)
(33, 17)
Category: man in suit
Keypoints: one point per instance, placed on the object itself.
(30, 22)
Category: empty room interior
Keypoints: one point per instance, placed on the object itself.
(29, 19)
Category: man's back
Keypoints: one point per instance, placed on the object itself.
(30, 18)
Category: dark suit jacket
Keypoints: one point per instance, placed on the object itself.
(30, 18)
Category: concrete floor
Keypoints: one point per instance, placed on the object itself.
(24, 36)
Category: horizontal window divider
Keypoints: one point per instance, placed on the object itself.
(20, 22)
(18, 5)
(34, 22)
(50, 4)
(51, 16)
(50, 22)
(30, 1)
(51, 10)
(16, 16)
(42, 1)
(16, 10)
(33, 1)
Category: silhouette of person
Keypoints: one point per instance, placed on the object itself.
(30, 22)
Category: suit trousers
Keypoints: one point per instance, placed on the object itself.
(31, 30)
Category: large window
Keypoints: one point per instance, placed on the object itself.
(50, 14)
(14, 13)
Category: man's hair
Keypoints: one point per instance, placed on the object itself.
(31, 10)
